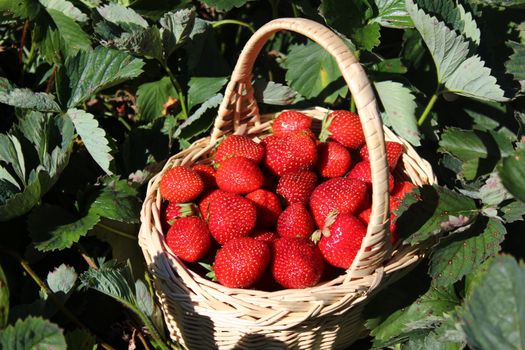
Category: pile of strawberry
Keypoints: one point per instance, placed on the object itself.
(282, 210)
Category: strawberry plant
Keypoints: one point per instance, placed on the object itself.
(95, 95)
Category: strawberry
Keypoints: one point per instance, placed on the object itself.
(295, 221)
(189, 238)
(241, 262)
(239, 146)
(341, 243)
(239, 175)
(296, 187)
(180, 184)
(344, 127)
(230, 216)
(401, 188)
(334, 159)
(268, 207)
(297, 263)
(264, 235)
(290, 153)
(394, 151)
(289, 121)
(207, 174)
(204, 204)
(364, 216)
(361, 171)
(174, 211)
(347, 196)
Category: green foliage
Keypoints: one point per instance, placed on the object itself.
(33, 333)
(80, 340)
(151, 98)
(515, 63)
(4, 299)
(512, 173)
(393, 14)
(25, 98)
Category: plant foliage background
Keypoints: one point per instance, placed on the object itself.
(96, 94)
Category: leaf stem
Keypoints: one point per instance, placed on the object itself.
(233, 21)
(429, 107)
(117, 232)
(177, 86)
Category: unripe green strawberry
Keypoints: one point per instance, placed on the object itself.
(341, 242)
(295, 221)
(296, 187)
(291, 153)
(239, 175)
(394, 151)
(361, 171)
(239, 146)
(268, 207)
(289, 121)
(189, 238)
(344, 127)
(230, 216)
(297, 263)
(241, 262)
(180, 184)
(333, 159)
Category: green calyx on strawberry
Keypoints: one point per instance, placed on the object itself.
(239, 146)
(239, 175)
(174, 211)
(189, 238)
(343, 127)
(180, 184)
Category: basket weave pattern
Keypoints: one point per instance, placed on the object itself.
(202, 314)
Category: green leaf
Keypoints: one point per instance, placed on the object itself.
(93, 71)
(25, 98)
(145, 42)
(201, 89)
(501, 3)
(62, 279)
(443, 337)
(492, 316)
(313, 72)
(390, 65)
(430, 210)
(200, 121)
(400, 109)
(176, 28)
(21, 8)
(93, 136)
(422, 314)
(117, 201)
(151, 98)
(479, 151)
(493, 192)
(458, 72)
(465, 251)
(54, 228)
(53, 48)
(392, 14)
(33, 333)
(513, 211)
(81, 339)
(276, 94)
(224, 5)
(23, 201)
(144, 299)
(515, 65)
(74, 38)
(512, 173)
(4, 299)
(66, 8)
(124, 17)
(12, 154)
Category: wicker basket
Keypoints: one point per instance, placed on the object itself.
(201, 314)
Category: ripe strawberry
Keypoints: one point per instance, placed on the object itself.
(239, 146)
(289, 121)
(204, 204)
(264, 235)
(173, 211)
(394, 151)
(364, 216)
(207, 174)
(239, 175)
(296, 187)
(189, 238)
(333, 159)
(344, 127)
(293, 152)
(180, 184)
(342, 242)
(295, 221)
(347, 196)
(297, 263)
(268, 207)
(361, 171)
(401, 188)
(241, 262)
(230, 216)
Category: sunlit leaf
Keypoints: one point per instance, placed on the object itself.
(65, 7)
(393, 14)
(512, 173)
(203, 88)
(32, 333)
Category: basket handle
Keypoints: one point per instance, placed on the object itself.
(239, 112)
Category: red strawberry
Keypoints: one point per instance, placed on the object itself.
(394, 151)
(342, 242)
(347, 196)
(180, 184)
(361, 171)
(289, 121)
(401, 188)
(241, 262)
(239, 146)
(231, 216)
(189, 238)
(268, 207)
(295, 221)
(334, 159)
(291, 153)
(204, 204)
(239, 175)
(174, 211)
(296, 187)
(364, 216)
(297, 263)
(264, 235)
(207, 174)
(343, 127)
